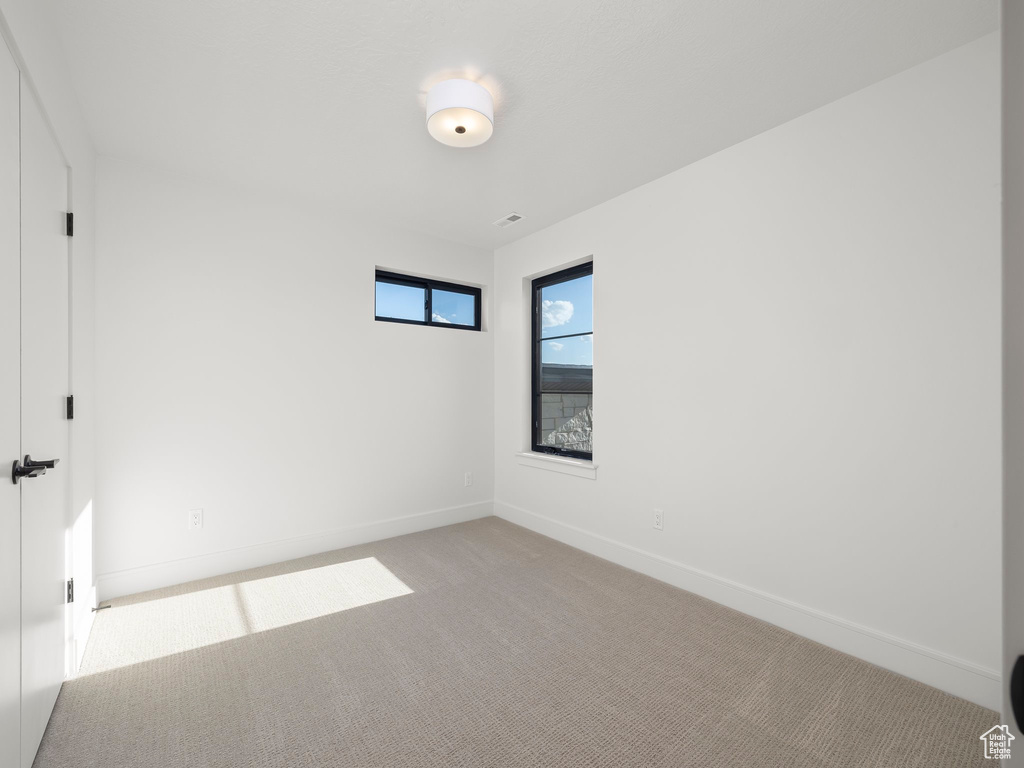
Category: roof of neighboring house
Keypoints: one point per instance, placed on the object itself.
(561, 377)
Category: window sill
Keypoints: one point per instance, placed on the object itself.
(574, 467)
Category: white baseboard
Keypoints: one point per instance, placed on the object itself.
(939, 670)
(166, 574)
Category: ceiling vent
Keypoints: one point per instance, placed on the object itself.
(507, 221)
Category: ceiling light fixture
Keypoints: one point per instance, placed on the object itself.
(460, 113)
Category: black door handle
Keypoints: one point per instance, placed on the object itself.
(30, 468)
(44, 464)
(1017, 691)
(18, 471)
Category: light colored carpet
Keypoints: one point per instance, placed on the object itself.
(480, 644)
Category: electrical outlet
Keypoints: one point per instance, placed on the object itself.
(195, 519)
(659, 520)
(469, 479)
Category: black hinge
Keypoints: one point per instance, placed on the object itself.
(71, 406)
(71, 224)
(71, 590)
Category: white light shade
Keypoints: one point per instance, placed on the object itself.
(460, 113)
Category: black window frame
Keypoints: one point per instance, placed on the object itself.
(537, 339)
(428, 285)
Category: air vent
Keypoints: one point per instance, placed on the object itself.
(508, 221)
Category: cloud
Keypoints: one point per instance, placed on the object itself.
(588, 338)
(555, 312)
(438, 319)
(556, 346)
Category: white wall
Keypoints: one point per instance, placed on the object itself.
(816, 312)
(41, 59)
(240, 371)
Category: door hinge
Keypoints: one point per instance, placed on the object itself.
(71, 224)
(71, 407)
(71, 589)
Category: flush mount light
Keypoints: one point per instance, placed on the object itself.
(460, 113)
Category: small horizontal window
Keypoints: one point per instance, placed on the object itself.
(420, 301)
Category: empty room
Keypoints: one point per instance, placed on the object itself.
(437, 384)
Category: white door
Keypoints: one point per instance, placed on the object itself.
(45, 498)
(10, 415)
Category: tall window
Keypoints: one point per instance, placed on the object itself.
(563, 362)
(421, 301)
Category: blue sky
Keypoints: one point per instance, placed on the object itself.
(406, 303)
(568, 308)
(454, 307)
(400, 301)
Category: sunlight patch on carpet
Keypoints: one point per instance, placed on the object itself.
(177, 623)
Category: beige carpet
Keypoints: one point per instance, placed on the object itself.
(480, 644)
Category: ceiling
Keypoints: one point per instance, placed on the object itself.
(322, 100)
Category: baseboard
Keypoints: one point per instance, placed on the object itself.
(939, 670)
(165, 574)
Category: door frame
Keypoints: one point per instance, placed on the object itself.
(1013, 353)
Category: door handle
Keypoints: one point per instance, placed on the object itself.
(18, 471)
(1017, 691)
(30, 468)
(44, 464)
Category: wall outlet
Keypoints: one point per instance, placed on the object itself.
(195, 519)
(469, 479)
(659, 520)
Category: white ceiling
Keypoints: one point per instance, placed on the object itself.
(322, 100)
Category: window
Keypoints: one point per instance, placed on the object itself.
(404, 299)
(563, 362)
